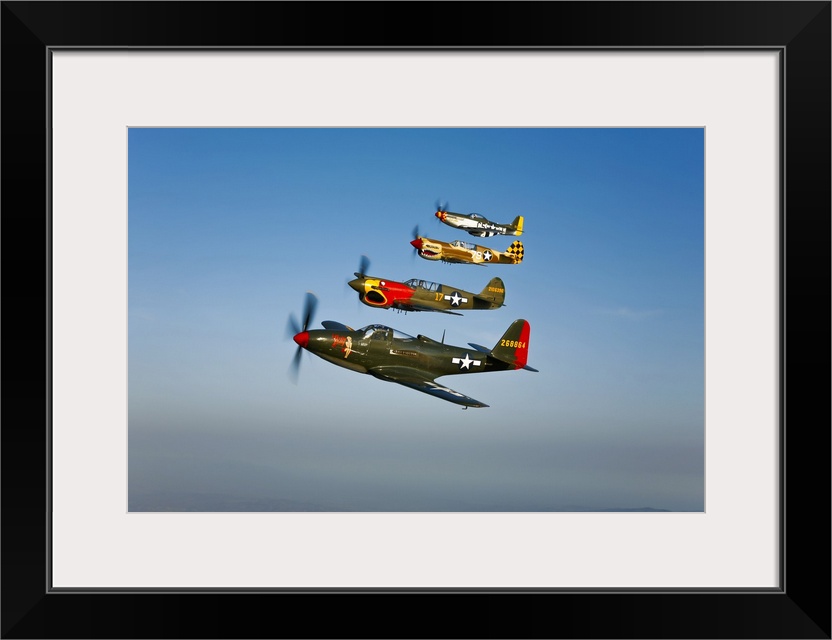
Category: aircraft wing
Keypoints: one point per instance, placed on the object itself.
(480, 348)
(420, 381)
(417, 307)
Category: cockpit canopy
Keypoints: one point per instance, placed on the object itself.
(423, 284)
(476, 216)
(382, 332)
(464, 245)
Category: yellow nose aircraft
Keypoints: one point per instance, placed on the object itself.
(421, 295)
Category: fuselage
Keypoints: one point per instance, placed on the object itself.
(420, 295)
(476, 225)
(380, 346)
(456, 251)
(460, 251)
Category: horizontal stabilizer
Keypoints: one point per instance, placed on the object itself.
(479, 348)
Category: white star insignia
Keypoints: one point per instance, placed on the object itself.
(487, 256)
(466, 362)
(456, 299)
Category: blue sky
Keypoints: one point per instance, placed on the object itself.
(228, 228)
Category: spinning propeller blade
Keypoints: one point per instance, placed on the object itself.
(298, 331)
(414, 243)
(294, 368)
(358, 283)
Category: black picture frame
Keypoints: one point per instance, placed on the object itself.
(799, 31)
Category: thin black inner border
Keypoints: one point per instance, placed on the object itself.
(780, 50)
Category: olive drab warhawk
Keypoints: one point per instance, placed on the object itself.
(422, 295)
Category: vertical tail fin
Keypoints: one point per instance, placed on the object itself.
(513, 347)
(494, 292)
(515, 253)
(518, 226)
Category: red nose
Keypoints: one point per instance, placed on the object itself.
(302, 338)
(417, 243)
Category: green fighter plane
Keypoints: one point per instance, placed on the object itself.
(421, 295)
(393, 356)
